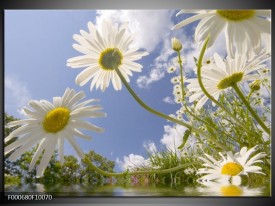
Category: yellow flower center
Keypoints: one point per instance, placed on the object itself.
(110, 59)
(236, 15)
(231, 190)
(230, 80)
(231, 168)
(56, 119)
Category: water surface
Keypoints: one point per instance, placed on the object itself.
(139, 190)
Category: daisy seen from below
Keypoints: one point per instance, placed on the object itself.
(103, 51)
(50, 124)
(222, 74)
(243, 29)
(231, 167)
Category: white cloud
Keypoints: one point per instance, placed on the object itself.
(172, 137)
(156, 74)
(17, 94)
(150, 147)
(167, 56)
(132, 161)
(160, 64)
(148, 25)
(168, 100)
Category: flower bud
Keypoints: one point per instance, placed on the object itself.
(176, 44)
(256, 85)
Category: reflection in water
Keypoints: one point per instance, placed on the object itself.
(141, 190)
(219, 189)
(231, 190)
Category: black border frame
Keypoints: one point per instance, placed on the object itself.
(126, 4)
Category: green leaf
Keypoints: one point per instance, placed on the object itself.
(212, 123)
(196, 61)
(185, 138)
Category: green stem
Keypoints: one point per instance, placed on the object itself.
(206, 123)
(121, 174)
(182, 87)
(146, 107)
(181, 75)
(263, 82)
(249, 95)
(199, 65)
(250, 109)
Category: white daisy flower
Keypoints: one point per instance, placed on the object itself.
(179, 112)
(223, 74)
(176, 87)
(189, 171)
(183, 110)
(243, 28)
(179, 117)
(208, 61)
(177, 81)
(103, 51)
(265, 75)
(178, 100)
(171, 70)
(177, 93)
(230, 168)
(224, 122)
(175, 60)
(51, 124)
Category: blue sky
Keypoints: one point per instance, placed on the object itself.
(38, 44)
